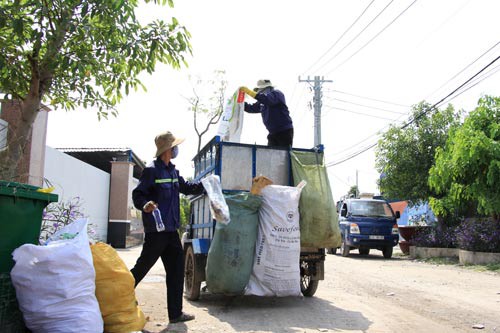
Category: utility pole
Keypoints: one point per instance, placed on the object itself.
(318, 81)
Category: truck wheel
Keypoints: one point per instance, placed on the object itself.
(332, 250)
(364, 251)
(387, 251)
(308, 286)
(192, 282)
(344, 249)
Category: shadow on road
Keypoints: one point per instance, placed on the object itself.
(285, 314)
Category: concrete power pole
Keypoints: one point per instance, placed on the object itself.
(318, 81)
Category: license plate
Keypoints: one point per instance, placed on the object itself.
(375, 237)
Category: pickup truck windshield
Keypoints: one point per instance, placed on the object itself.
(371, 208)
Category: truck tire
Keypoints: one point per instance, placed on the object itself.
(332, 250)
(387, 251)
(344, 249)
(192, 281)
(364, 251)
(308, 286)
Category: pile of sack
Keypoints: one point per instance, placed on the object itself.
(68, 285)
(256, 249)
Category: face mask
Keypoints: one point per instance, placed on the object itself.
(175, 151)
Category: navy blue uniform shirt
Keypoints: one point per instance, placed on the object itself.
(162, 184)
(271, 105)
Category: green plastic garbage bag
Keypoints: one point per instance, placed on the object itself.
(230, 257)
(318, 218)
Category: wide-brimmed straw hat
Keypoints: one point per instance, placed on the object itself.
(261, 84)
(166, 141)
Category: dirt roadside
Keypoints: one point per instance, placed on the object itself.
(359, 294)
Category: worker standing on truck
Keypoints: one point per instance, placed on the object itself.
(157, 196)
(275, 115)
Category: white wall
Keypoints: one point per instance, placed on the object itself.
(74, 178)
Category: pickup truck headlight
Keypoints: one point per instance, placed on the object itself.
(354, 229)
(395, 230)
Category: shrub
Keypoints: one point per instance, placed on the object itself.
(59, 214)
(481, 235)
(437, 236)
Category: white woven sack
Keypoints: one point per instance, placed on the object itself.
(55, 284)
(276, 270)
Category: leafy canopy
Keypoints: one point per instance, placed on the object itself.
(467, 169)
(405, 155)
(82, 52)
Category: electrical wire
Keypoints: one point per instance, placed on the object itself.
(454, 76)
(373, 38)
(341, 36)
(355, 37)
(368, 98)
(357, 112)
(481, 78)
(364, 105)
(419, 115)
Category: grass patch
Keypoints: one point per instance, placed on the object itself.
(484, 268)
(440, 261)
(454, 261)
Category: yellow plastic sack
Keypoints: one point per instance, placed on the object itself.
(115, 291)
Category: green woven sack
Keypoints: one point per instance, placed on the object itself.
(230, 257)
(318, 217)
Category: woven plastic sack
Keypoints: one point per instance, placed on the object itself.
(276, 270)
(230, 257)
(115, 291)
(318, 217)
(55, 284)
(231, 123)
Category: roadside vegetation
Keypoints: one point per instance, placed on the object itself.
(450, 159)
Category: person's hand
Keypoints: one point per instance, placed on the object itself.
(149, 207)
(247, 91)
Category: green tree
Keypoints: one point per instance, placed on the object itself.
(404, 155)
(353, 192)
(467, 169)
(185, 206)
(70, 53)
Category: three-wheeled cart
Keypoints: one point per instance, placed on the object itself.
(237, 164)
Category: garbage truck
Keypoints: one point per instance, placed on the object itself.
(236, 164)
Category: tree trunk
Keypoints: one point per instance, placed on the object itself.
(18, 137)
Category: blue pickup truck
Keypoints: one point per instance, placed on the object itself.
(367, 224)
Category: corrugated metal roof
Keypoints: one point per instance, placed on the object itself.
(101, 158)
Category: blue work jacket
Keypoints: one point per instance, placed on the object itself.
(272, 107)
(162, 184)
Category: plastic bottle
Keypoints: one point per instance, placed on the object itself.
(159, 222)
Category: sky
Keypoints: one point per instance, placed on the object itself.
(387, 61)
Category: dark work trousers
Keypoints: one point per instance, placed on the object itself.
(281, 139)
(166, 245)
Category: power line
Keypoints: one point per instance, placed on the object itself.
(357, 112)
(366, 106)
(453, 92)
(362, 47)
(478, 80)
(482, 55)
(355, 37)
(418, 116)
(368, 98)
(336, 42)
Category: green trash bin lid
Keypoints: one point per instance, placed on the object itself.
(25, 191)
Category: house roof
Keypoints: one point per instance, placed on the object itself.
(101, 158)
(399, 205)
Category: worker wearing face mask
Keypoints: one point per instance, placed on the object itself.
(157, 196)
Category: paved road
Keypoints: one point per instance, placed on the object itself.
(359, 294)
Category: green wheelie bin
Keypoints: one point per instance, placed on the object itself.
(21, 208)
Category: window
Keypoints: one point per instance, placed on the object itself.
(371, 209)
